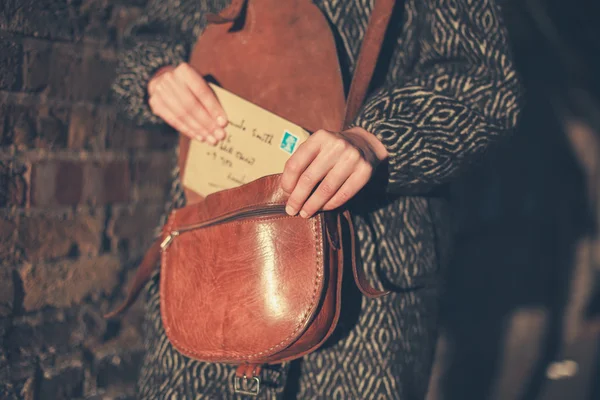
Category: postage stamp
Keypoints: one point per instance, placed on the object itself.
(288, 142)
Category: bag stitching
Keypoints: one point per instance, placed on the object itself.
(306, 314)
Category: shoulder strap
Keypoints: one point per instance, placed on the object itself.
(367, 57)
(142, 276)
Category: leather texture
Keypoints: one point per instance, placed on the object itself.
(241, 281)
(367, 58)
(244, 282)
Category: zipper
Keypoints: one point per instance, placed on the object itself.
(254, 211)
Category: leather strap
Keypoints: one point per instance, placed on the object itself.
(360, 277)
(142, 275)
(248, 370)
(367, 58)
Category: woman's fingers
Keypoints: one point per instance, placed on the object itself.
(327, 170)
(154, 81)
(161, 107)
(186, 102)
(297, 164)
(350, 188)
(328, 188)
(195, 110)
(308, 180)
(163, 111)
(171, 95)
(203, 93)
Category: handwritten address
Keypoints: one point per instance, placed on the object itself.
(230, 156)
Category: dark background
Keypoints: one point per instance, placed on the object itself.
(81, 194)
(522, 295)
(81, 191)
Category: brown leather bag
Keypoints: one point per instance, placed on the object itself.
(241, 281)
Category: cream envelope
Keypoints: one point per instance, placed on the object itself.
(258, 143)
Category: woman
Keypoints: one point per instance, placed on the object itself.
(449, 92)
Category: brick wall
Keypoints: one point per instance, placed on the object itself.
(80, 192)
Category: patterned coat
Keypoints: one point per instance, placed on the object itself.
(448, 92)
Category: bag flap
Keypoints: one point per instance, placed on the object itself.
(281, 56)
(246, 287)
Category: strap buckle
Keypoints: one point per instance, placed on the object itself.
(245, 386)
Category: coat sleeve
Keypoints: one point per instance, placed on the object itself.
(453, 93)
(162, 35)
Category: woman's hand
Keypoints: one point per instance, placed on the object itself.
(340, 164)
(183, 99)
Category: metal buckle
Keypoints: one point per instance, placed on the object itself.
(246, 388)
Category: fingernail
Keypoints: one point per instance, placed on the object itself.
(222, 121)
(220, 134)
(290, 210)
(211, 140)
(303, 214)
(200, 138)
